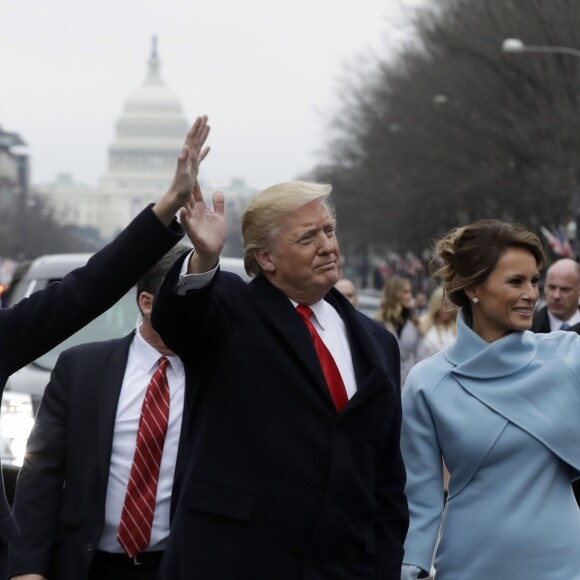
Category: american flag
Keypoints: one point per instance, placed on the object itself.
(558, 242)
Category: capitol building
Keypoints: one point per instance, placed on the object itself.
(148, 138)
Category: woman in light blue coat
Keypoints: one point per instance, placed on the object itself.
(501, 407)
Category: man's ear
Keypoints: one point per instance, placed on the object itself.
(264, 259)
(146, 302)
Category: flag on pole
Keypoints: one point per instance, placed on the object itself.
(558, 242)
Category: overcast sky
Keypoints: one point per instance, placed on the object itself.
(265, 71)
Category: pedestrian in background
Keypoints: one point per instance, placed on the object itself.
(562, 291)
(348, 289)
(397, 313)
(500, 407)
(421, 303)
(438, 325)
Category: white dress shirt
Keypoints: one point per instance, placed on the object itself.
(141, 365)
(326, 320)
(556, 323)
(332, 330)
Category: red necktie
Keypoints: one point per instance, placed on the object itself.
(329, 368)
(134, 532)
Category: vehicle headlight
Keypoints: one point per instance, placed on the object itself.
(16, 421)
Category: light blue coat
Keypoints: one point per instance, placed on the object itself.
(505, 417)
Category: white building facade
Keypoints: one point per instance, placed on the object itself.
(148, 138)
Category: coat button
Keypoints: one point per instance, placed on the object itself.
(90, 547)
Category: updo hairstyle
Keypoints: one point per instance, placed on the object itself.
(467, 255)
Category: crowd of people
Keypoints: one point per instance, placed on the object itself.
(251, 431)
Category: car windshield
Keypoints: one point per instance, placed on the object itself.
(118, 321)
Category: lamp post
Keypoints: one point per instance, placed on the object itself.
(517, 46)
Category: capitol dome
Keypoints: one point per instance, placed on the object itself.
(149, 135)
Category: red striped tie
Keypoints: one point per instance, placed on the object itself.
(328, 364)
(134, 532)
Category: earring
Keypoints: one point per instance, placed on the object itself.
(475, 299)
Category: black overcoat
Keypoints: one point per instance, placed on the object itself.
(277, 484)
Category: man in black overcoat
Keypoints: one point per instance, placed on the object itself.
(281, 482)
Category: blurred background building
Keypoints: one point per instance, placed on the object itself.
(13, 166)
(149, 135)
(14, 186)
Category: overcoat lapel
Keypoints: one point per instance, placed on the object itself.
(279, 315)
(108, 382)
(369, 363)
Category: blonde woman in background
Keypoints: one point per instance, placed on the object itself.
(438, 325)
(397, 313)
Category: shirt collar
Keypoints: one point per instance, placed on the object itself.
(148, 356)
(556, 323)
(320, 311)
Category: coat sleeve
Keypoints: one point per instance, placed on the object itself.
(424, 465)
(197, 321)
(393, 514)
(40, 483)
(38, 323)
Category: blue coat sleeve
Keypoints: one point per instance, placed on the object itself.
(424, 464)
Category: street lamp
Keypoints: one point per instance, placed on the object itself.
(517, 46)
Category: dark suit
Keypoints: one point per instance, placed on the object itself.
(69, 446)
(278, 485)
(541, 321)
(46, 318)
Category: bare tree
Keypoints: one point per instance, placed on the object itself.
(453, 130)
(29, 230)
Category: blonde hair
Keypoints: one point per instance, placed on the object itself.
(390, 310)
(261, 219)
(466, 256)
(437, 301)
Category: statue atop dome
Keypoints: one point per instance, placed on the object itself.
(148, 138)
(141, 159)
(154, 63)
